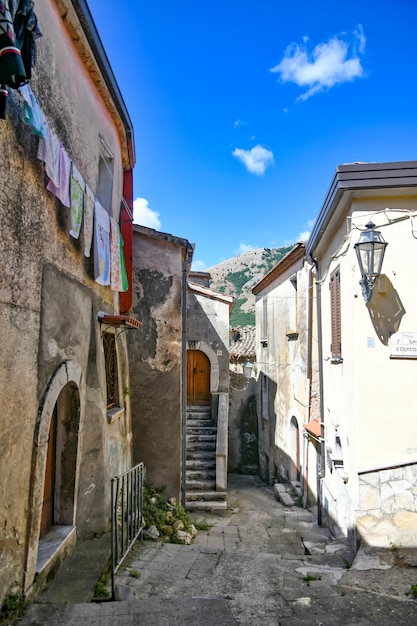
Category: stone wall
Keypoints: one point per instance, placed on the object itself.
(388, 507)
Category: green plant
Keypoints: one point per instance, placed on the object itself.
(102, 588)
(162, 513)
(412, 592)
(203, 525)
(307, 579)
(13, 607)
(347, 563)
(135, 573)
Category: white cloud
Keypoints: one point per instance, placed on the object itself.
(143, 214)
(330, 63)
(245, 247)
(255, 160)
(198, 265)
(238, 122)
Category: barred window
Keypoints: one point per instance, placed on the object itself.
(110, 360)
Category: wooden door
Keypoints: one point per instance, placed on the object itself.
(47, 518)
(198, 378)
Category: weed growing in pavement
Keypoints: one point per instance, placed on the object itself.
(309, 578)
(412, 592)
(135, 573)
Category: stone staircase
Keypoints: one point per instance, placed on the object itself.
(201, 494)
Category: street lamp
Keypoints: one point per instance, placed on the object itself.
(370, 250)
(247, 370)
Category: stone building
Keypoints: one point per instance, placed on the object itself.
(66, 427)
(157, 354)
(337, 351)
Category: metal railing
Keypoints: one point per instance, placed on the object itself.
(126, 515)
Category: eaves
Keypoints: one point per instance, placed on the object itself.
(82, 29)
(292, 257)
(360, 178)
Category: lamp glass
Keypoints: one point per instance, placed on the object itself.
(370, 251)
(247, 370)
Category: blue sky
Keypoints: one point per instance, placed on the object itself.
(242, 110)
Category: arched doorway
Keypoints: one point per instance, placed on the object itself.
(53, 498)
(198, 378)
(295, 450)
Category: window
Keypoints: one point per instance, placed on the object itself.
(105, 176)
(336, 345)
(110, 361)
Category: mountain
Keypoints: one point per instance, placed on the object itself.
(238, 275)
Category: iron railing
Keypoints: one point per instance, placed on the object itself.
(126, 515)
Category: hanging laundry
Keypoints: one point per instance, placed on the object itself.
(32, 114)
(25, 24)
(18, 31)
(12, 69)
(77, 202)
(117, 268)
(88, 220)
(62, 190)
(101, 245)
(48, 152)
(3, 102)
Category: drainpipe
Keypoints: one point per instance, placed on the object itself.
(321, 466)
(185, 266)
(309, 375)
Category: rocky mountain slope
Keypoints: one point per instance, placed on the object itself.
(238, 275)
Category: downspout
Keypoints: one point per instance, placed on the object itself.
(185, 267)
(309, 374)
(321, 466)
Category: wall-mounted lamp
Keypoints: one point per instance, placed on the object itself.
(247, 370)
(370, 250)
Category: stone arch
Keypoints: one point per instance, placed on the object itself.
(214, 365)
(63, 394)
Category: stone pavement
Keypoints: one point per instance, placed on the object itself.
(261, 563)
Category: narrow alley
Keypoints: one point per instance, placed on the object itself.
(260, 563)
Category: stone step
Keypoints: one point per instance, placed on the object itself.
(206, 496)
(201, 437)
(201, 473)
(201, 430)
(212, 507)
(202, 466)
(203, 423)
(199, 485)
(203, 446)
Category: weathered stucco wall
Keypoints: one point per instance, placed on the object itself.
(208, 324)
(283, 392)
(48, 306)
(155, 357)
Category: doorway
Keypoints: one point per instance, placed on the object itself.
(48, 504)
(295, 450)
(198, 378)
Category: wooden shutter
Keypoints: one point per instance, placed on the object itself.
(336, 345)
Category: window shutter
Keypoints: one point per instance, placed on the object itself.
(335, 313)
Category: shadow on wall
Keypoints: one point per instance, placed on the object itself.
(386, 309)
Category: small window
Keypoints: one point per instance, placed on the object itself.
(105, 176)
(112, 378)
(335, 312)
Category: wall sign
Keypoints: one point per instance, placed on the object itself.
(403, 346)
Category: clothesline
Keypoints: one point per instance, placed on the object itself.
(66, 182)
